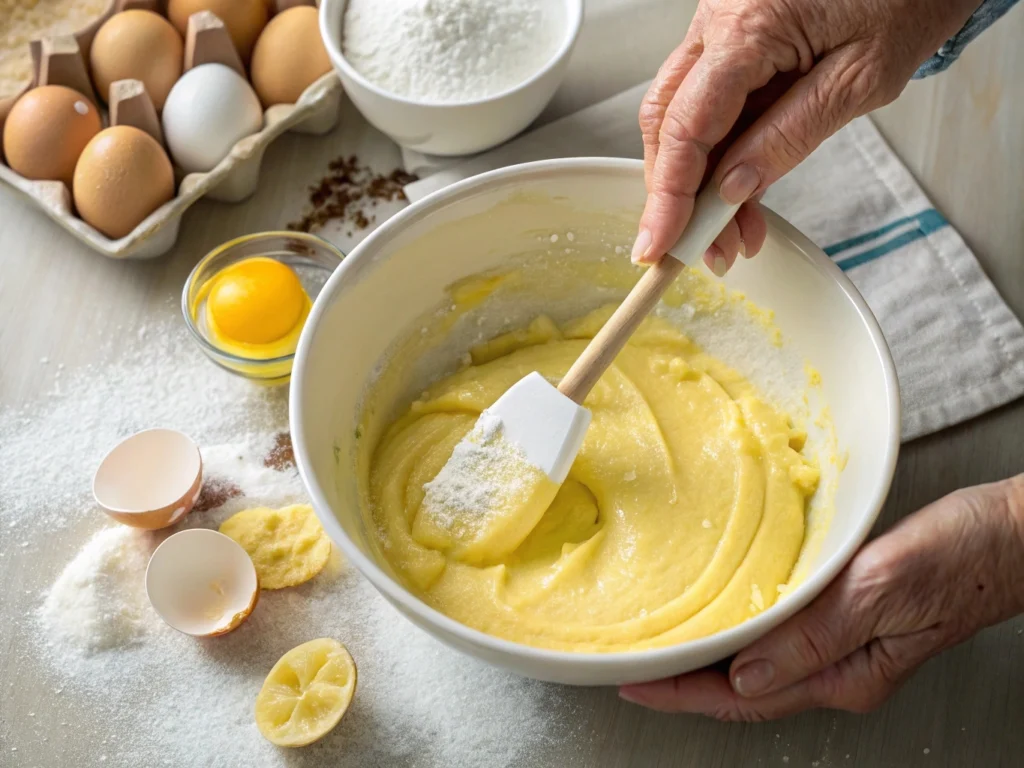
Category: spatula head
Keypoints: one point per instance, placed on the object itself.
(544, 423)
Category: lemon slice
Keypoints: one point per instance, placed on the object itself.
(306, 693)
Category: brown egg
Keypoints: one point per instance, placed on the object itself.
(137, 45)
(46, 130)
(289, 56)
(122, 176)
(244, 19)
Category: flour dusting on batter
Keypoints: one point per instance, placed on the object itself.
(480, 478)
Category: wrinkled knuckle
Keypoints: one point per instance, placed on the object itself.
(875, 568)
(673, 129)
(867, 592)
(887, 666)
(667, 197)
(869, 582)
(812, 642)
(783, 150)
(859, 81)
(873, 84)
(651, 115)
(851, 90)
(745, 32)
(736, 27)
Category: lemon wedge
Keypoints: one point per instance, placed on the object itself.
(306, 693)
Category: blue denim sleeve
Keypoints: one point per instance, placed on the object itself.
(983, 18)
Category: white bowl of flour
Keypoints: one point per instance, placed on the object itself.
(450, 77)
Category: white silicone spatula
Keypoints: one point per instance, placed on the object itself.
(548, 423)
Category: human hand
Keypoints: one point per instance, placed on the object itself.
(756, 86)
(935, 579)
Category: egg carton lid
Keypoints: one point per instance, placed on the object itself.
(316, 111)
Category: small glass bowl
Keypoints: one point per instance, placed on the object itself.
(313, 260)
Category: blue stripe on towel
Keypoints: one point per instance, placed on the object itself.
(927, 222)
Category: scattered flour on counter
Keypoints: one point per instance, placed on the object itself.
(444, 51)
(121, 685)
(418, 704)
(51, 447)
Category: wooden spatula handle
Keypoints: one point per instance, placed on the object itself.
(612, 337)
(710, 215)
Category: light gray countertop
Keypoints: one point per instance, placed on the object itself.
(961, 134)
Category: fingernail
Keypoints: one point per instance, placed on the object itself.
(743, 250)
(753, 678)
(719, 266)
(739, 184)
(641, 245)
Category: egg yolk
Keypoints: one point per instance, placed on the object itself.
(256, 301)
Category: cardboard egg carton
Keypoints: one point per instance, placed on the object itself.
(62, 61)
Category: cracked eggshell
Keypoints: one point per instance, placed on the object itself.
(202, 583)
(150, 480)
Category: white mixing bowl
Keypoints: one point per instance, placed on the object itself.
(459, 128)
(389, 281)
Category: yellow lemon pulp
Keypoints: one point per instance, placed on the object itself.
(306, 693)
(256, 307)
(288, 546)
(683, 515)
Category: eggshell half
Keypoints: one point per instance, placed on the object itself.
(150, 480)
(202, 583)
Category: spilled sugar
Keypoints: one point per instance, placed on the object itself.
(99, 602)
(127, 690)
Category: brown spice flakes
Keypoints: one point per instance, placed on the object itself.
(343, 192)
(282, 455)
(216, 491)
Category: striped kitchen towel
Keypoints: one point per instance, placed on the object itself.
(959, 350)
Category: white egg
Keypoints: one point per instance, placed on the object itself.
(206, 113)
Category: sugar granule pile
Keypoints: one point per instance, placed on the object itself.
(129, 691)
(444, 51)
(98, 601)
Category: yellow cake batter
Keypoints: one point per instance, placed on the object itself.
(684, 513)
